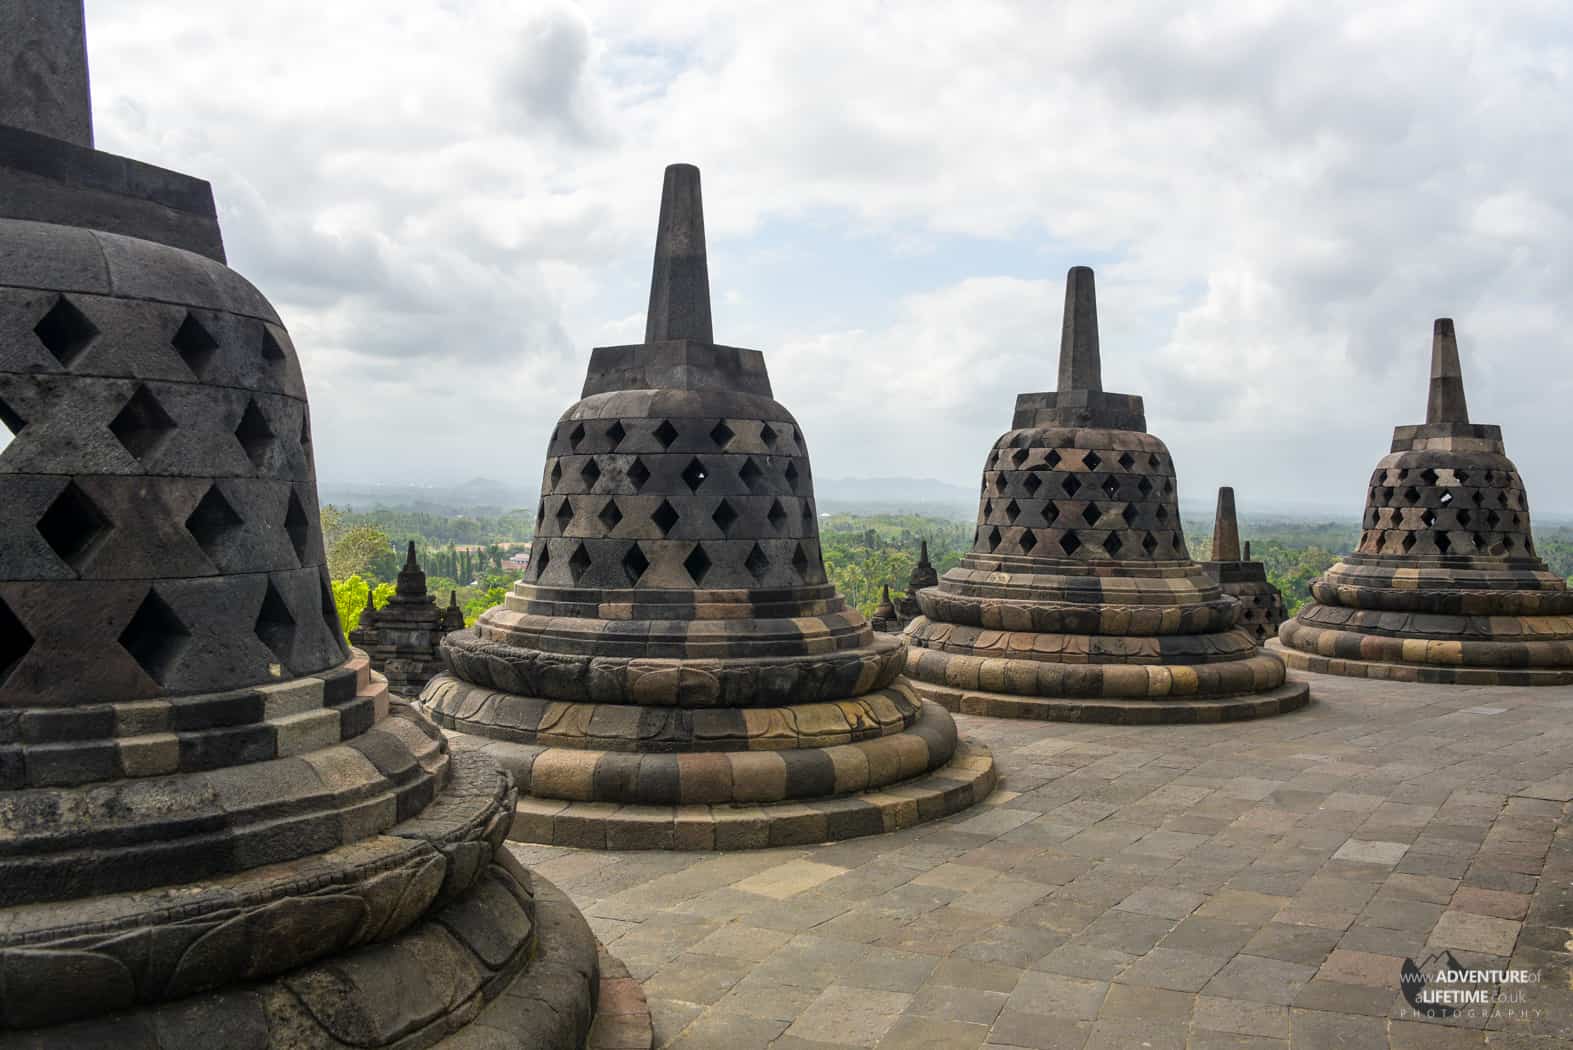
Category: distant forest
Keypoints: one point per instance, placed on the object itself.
(465, 552)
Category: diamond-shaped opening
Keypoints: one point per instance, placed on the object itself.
(540, 515)
(1493, 519)
(254, 434)
(665, 517)
(1000, 484)
(1491, 477)
(638, 474)
(1093, 460)
(1408, 541)
(1052, 460)
(1028, 540)
(1113, 545)
(777, 515)
(1051, 513)
(791, 476)
(576, 435)
(1479, 540)
(610, 515)
(155, 637)
(564, 515)
(1111, 487)
(556, 474)
(1162, 513)
(1428, 476)
(1127, 461)
(590, 473)
(1144, 486)
(1070, 543)
(305, 430)
(330, 609)
(1019, 456)
(1174, 540)
(73, 526)
(1479, 498)
(1149, 543)
(195, 345)
(749, 473)
(994, 538)
(634, 564)
(808, 510)
(1507, 542)
(142, 425)
(539, 560)
(757, 563)
(666, 433)
(1153, 461)
(212, 521)
(694, 475)
(1428, 517)
(65, 331)
(1464, 517)
(1129, 514)
(800, 562)
(1461, 476)
(698, 564)
(988, 508)
(1501, 499)
(1443, 544)
(15, 641)
(1090, 514)
(615, 433)
(275, 625)
(1168, 487)
(1071, 485)
(768, 435)
(1012, 511)
(272, 350)
(721, 434)
(1445, 499)
(1032, 483)
(578, 562)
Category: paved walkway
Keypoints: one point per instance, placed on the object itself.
(1253, 887)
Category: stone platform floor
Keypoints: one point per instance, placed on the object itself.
(1251, 886)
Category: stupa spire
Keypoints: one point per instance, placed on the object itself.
(923, 554)
(1081, 367)
(43, 69)
(1226, 528)
(1446, 401)
(680, 281)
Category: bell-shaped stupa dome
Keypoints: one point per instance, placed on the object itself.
(1445, 585)
(1079, 600)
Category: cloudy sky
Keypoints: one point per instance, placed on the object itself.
(451, 201)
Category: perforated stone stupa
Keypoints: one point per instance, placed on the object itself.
(1079, 600)
(403, 639)
(216, 829)
(675, 648)
(1445, 586)
(1244, 580)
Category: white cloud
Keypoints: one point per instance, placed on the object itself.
(451, 201)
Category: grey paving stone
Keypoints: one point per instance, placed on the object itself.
(1260, 979)
(1173, 968)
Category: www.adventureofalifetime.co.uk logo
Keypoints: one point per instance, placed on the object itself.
(1441, 987)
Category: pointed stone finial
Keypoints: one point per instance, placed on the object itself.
(409, 558)
(1226, 529)
(680, 283)
(453, 599)
(886, 608)
(411, 583)
(1246, 556)
(1080, 365)
(923, 554)
(1446, 401)
(43, 69)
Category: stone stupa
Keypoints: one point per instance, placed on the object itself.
(1244, 580)
(404, 638)
(675, 670)
(216, 829)
(1445, 586)
(1079, 600)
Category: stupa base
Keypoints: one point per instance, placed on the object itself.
(1174, 710)
(968, 778)
(1431, 674)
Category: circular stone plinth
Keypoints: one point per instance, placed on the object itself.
(967, 779)
(1287, 697)
(1432, 674)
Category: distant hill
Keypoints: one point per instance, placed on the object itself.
(474, 495)
(885, 495)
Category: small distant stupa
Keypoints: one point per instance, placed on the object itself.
(904, 610)
(404, 637)
(1445, 586)
(1244, 580)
